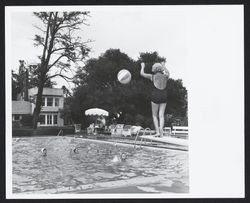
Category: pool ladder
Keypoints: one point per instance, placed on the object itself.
(60, 132)
(144, 133)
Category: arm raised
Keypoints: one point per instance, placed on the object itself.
(143, 74)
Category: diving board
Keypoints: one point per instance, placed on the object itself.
(166, 139)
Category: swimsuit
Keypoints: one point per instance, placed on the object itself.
(158, 96)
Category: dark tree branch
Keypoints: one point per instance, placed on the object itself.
(43, 31)
(60, 75)
(50, 66)
(59, 49)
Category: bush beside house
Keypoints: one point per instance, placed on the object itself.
(53, 131)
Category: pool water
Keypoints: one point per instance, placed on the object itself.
(96, 166)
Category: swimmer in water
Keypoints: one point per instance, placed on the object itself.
(116, 159)
(88, 149)
(44, 151)
(120, 158)
(75, 150)
(123, 156)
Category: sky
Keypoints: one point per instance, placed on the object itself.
(131, 29)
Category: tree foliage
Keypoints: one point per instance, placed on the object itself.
(97, 86)
(149, 58)
(32, 80)
(15, 85)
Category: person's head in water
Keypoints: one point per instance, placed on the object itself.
(44, 151)
(123, 156)
(75, 150)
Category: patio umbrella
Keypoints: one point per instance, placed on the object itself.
(96, 112)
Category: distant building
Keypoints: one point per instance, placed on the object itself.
(20, 108)
(52, 102)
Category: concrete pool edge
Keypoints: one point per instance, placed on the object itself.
(119, 142)
(110, 185)
(130, 144)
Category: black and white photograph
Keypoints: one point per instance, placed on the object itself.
(117, 101)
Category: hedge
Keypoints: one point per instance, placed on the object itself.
(42, 131)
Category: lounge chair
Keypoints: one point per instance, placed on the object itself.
(91, 129)
(135, 129)
(77, 128)
(127, 131)
(119, 129)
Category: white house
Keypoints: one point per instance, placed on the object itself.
(52, 102)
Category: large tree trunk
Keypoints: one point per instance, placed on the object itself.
(38, 106)
(44, 64)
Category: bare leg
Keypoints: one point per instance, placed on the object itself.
(155, 110)
(162, 108)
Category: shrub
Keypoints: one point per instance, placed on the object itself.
(16, 124)
(139, 120)
(43, 131)
(177, 121)
(26, 120)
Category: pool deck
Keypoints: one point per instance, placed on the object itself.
(131, 141)
(125, 140)
(155, 184)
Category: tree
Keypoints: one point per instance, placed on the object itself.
(20, 82)
(25, 79)
(15, 85)
(60, 47)
(149, 58)
(66, 91)
(97, 86)
(34, 79)
(177, 98)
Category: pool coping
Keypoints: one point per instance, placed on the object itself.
(98, 187)
(118, 141)
(140, 146)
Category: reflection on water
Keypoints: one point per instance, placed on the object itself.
(92, 162)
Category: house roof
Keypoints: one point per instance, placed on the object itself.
(21, 107)
(47, 91)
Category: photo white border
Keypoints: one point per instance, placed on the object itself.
(214, 138)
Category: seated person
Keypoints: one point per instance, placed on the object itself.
(101, 122)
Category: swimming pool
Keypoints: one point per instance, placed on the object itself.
(96, 166)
